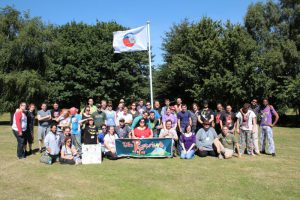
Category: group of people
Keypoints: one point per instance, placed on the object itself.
(202, 132)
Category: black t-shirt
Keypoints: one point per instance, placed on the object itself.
(30, 121)
(217, 118)
(55, 113)
(90, 135)
(206, 114)
(228, 119)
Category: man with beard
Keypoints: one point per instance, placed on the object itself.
(205, 114)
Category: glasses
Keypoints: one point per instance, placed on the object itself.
(87, 110)
(103, 128)
(142, 121)
(69, 141)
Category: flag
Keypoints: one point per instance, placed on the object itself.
(130, 40)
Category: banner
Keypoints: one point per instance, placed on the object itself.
(91, 154)
(131, 40)
(153, 147)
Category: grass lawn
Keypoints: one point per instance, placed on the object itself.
(259, 177)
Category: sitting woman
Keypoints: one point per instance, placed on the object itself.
(68, 153)
(142, 131)
(109, 144)
(187, 142)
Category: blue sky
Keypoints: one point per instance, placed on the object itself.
(162, 14)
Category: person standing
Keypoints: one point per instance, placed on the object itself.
(228, 119)
(91, 105)
(183, 118)
(75, 128)
(99, 117)
(55, 112)
(141, 108)
(194, 116)
(29, 135)
(19, 127)
(256, 109)
(178, 106)
(111, 115)
(246, 122)
(133, 111)
(44, 119)
(90, 133)
(205, 114)
(266, 125)
(217, 117)
(164, 108)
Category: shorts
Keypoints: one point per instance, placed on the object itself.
(228, 153)
(42, 132)
(28, 138)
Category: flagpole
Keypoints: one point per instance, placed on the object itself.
(150, 63)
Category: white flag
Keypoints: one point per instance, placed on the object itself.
(131, 40)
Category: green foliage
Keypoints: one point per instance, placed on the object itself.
(234, 63)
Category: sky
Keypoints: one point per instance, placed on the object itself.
(162, 14)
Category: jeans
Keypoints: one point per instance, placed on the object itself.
(267, 132)
(255, 139)
(20, 141)
(76, 140)
(188, 155)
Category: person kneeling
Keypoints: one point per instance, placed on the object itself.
(109, 143)
(68, 153)
(187, 142)
(225, 144)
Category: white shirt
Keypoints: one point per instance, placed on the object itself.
(247, 122)
(110, 140)
(127, 118)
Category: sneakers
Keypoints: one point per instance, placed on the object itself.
(273, 154)
(221, 157)
(262, 152)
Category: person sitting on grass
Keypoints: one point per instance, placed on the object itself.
(68, 153)
(204, 140)
(123, 130)
(187, 142)
(52, 144)
(110, 144)
(169, 133)
(142, 131)
(225, 144)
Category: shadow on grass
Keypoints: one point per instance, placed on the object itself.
(291, 121)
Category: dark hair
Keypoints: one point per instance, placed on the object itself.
(67, 138)
(86, 108)
(65, 128)
(169, 121)
(183, 105)
(53, 124)
(145, 111)
(246, 106)
(151, 112)
(187, 127)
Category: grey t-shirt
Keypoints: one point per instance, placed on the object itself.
(43, 114)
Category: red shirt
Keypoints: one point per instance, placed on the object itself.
(142, 133)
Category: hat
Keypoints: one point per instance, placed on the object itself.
(206, 122)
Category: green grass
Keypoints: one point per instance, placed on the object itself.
(260, 177)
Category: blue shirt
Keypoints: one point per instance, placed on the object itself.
(205, 138)
(74, 124)
(184, 119)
